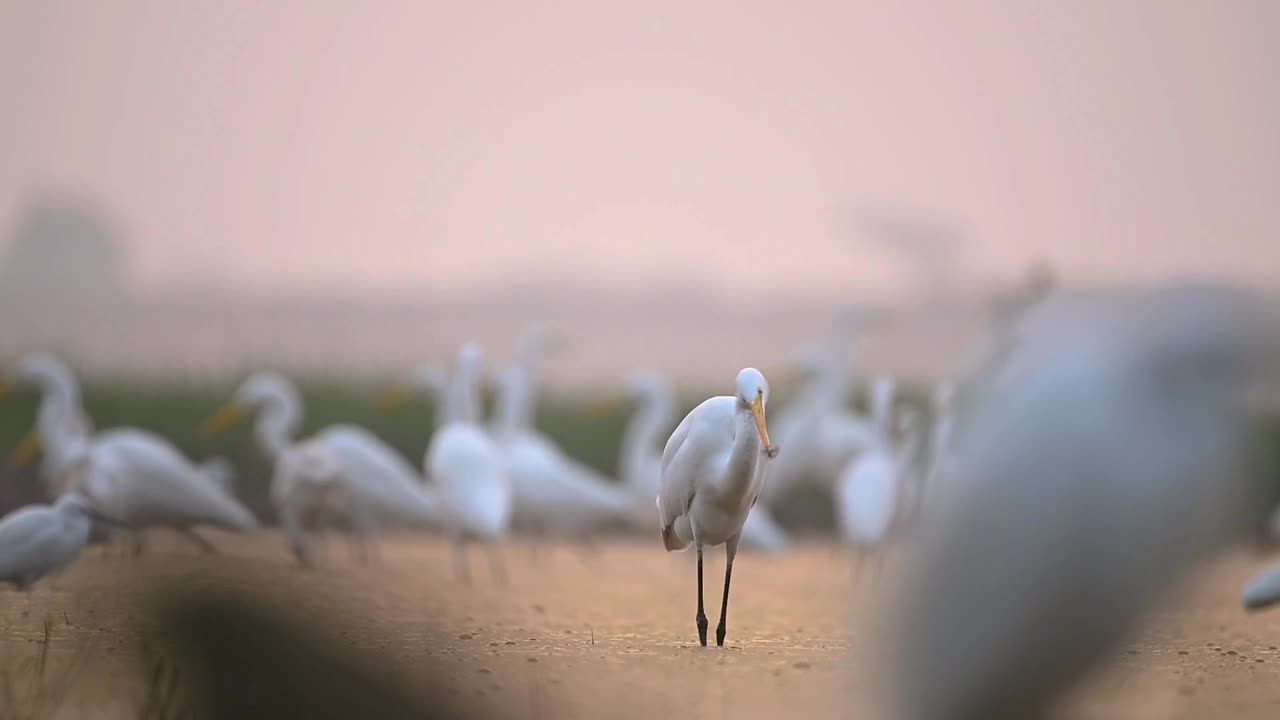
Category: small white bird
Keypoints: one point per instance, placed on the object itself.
(343, 472)
(712, 469)
(552, 494)
(39, 540)
(137, 477)
(869, 489)
(467, 469)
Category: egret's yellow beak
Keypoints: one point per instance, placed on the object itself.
(757, 409)
(393, 398)
(226, 418)
(27, 451)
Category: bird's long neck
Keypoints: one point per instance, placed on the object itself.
(464, 401)
(744, 457)
(513, 409)
(62, 432)
(640, 439)
(278, 423)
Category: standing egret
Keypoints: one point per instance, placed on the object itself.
(640, 461)
(39, 540)
(137, 477)
(343, 470)
(711, 476)
(551, 492)
(1100, 460)
(468, 470)
(869, 489)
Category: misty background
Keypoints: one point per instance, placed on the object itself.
(206, 187)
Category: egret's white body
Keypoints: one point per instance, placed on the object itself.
(1100, 460)
(640, 462)
(551, 492)
(820, 434)
(343, 472)
(39, 540)
(868, 490)
(467, 467)
(712, 470)
(138, 478)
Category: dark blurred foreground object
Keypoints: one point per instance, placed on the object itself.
(228, 656)
(1104, 452)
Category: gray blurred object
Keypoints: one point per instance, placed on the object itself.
(1264, 590)
(1101, 455)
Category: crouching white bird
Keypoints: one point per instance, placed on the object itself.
(467, 469)
(39, 540)
(712, 469)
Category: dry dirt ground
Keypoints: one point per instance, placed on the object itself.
(577, 634)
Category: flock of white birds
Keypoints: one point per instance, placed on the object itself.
(1099, 452)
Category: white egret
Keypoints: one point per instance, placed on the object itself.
(712, 469)
(640, 461)
(551, 492)
(343, 471)
(870, 488)
(821, 435)
(467, 469)
(1101, 459)
(136, 477)
(40, 540)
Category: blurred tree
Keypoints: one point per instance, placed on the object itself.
(64, 244)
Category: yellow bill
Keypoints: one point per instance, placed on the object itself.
(757, 409)
(393, 398)
(27, 451)
(227, 417)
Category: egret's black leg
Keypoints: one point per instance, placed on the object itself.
(730, 549)
(702, 615)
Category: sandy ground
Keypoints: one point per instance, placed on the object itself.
(587, 635)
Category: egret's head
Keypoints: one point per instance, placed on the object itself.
(753, 392)
(260, 390)
(41, 370)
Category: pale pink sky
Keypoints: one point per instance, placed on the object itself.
(442, 145)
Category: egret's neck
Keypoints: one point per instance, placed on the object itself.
(643, 433)
(464, 399)
(63, 434)
(278, 421)
(747, 452)
(514, 406)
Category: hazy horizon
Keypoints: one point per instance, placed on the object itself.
(413, 147)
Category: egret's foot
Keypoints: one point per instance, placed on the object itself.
(702, 629)
(720, 633)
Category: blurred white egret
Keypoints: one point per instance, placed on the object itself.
(711, 476)
(551, 492)
(468, 470)
(342, 471)
(39, 540)
(640, 462)
(821, 435)
(1102, 457)
(140, 479)
(870, 487)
